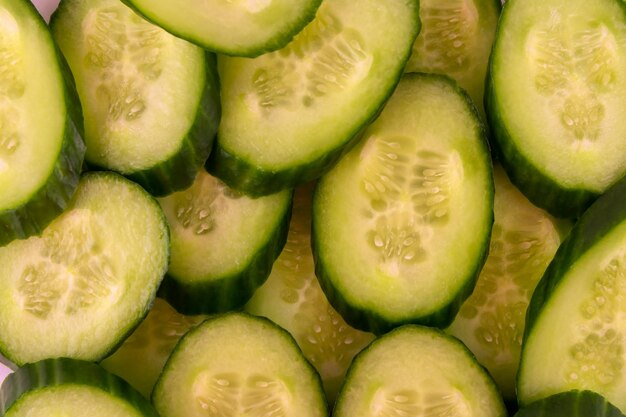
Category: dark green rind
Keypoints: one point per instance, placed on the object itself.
(233, 291)
(53, 196)
(279, 40)
(371, 321)
(245, 176)
(62, 371)
(571, 404)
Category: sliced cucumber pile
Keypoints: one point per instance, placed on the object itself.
(238, 365)
(293, 298)
(69, 388)
(150, 100)
(288, 115)
(90, 278)
(571, 404)
(401, 224)
(556, 93)
(41, 153)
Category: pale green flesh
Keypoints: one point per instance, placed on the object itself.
(71, 401)
(413, 195)
(293, 298)
(418, 373)
(561, 89)
(299, 103)
(211, 22)
(76, 290)
(455, 40)
(139, 86)
(30, 86)
(216, 370)
(491, 322)
(578, 339)
(216, 231)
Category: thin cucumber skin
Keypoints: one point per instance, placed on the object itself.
(604, 214)
(279, 41)
(63, 371)
(571, 404)
(229, 292)
(53, 196)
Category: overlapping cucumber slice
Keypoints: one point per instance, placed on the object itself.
(288, 115)
(41, 153)
(80, 288)
(571, 404)
(556, 93)
(150, 100)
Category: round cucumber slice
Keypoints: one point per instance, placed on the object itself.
(82, 286)
(236, 364)
(571, 404)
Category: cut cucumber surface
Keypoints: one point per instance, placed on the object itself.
(238, 365)
(571, 404)
(491, 321)
(419, 372)
(576, 321)
(241, 27)
(223, 244)
(82, 286)
(150, 100)
(556, 94)
(293, 299)
(401, 224)
(455, 40)
(41, 153)
(69, 388)
(288, 115)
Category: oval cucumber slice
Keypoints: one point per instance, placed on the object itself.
(288, 115)
(576, 320)
(238, 365)
(401, 224)
(419, 372)
(571, 404)
(241, 28)
(66, 387)
(223, 244)
(556, 91)
(150, 100)
(41, 153)
(82, 286)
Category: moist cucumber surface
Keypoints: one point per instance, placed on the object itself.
(223, 244)
(556, 91)
(241, 27)
(79, 289)
(419, 372)
(401, 224)
(571, 404)
(150, 100)
(237, 364)
(40, 151)
(287, 115)
(491, 321)
(576, 320)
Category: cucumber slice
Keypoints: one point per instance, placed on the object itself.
(576, 319)
(41, 153)
(238, 365)
(140, 359)
(491, 321)
(150, 100)
(455, 40)
(69, 388)
(261, 25)
(419, 372)
(293, 298)
(82, 286)
(223, 245)
(401, 224)
(571, 404)
(289, 114)
(556, 92)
